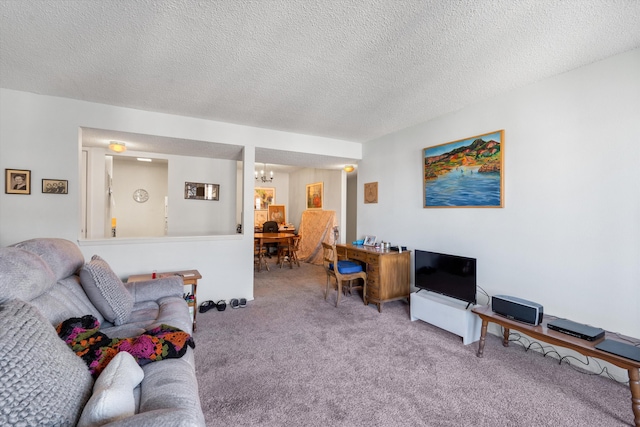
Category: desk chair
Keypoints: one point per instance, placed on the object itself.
(341, 271)
(270, 227)
(289, 250)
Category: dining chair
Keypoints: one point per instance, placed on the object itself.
(259, 253)
(288, 251)
(341, 271)
(270, 227)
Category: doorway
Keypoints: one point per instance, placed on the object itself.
(139, 197)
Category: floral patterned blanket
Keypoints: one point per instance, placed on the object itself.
(97, 349)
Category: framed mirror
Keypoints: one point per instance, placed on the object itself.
(200, 191)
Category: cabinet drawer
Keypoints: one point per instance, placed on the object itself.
(372, 280)
(373, 270)
(373, 292)
(357, 255)
(372, 259)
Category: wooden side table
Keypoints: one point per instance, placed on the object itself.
(587, 348)
(189, 278)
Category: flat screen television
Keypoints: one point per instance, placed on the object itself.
(450, 275)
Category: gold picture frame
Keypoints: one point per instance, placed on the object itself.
(371, 192)
(467, 173)
(263, 197)
(259, 218)
(17, 181)
(277, 213)
(315, 195)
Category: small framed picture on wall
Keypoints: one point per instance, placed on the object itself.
(315, 195)
(259, 217)
(277, 213)
(17, 181)
(201, 191)
(263, 197)
(55, 186)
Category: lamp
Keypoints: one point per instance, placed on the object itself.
(262, 177)
(349, 168)
(118, 147)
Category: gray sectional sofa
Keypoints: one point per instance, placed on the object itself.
(44, 282)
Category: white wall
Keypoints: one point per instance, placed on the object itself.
(281, 186)
(186, 217)
(189, 217)
(134, 219)
(41, 134)
(334, 189)
(351, 227)
(568, 236)
(290, 190)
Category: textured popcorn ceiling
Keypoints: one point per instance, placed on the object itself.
(345, 69)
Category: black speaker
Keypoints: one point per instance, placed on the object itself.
(517, 309)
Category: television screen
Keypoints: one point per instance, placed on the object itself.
(450, 275)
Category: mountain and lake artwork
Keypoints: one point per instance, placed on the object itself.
(466, 173)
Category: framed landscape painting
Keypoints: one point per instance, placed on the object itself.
(467, 173)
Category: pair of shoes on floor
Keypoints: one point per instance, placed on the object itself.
(206, 306)
(237, 303)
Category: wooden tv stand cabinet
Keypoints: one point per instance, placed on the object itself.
(550, 336)
(388, 272)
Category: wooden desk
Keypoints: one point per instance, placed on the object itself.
(287, 230)
(388, 272)
(550, 336)
(189, 278)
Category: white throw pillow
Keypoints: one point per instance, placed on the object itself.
(112, 397)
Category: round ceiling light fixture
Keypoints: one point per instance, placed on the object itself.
(118, 147)
(349, 168)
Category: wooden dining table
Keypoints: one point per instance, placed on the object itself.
(270, 238)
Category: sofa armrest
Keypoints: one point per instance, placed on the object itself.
(162, 417)
(169, 395)
(154, 289)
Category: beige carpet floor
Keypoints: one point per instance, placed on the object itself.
(290, 358)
